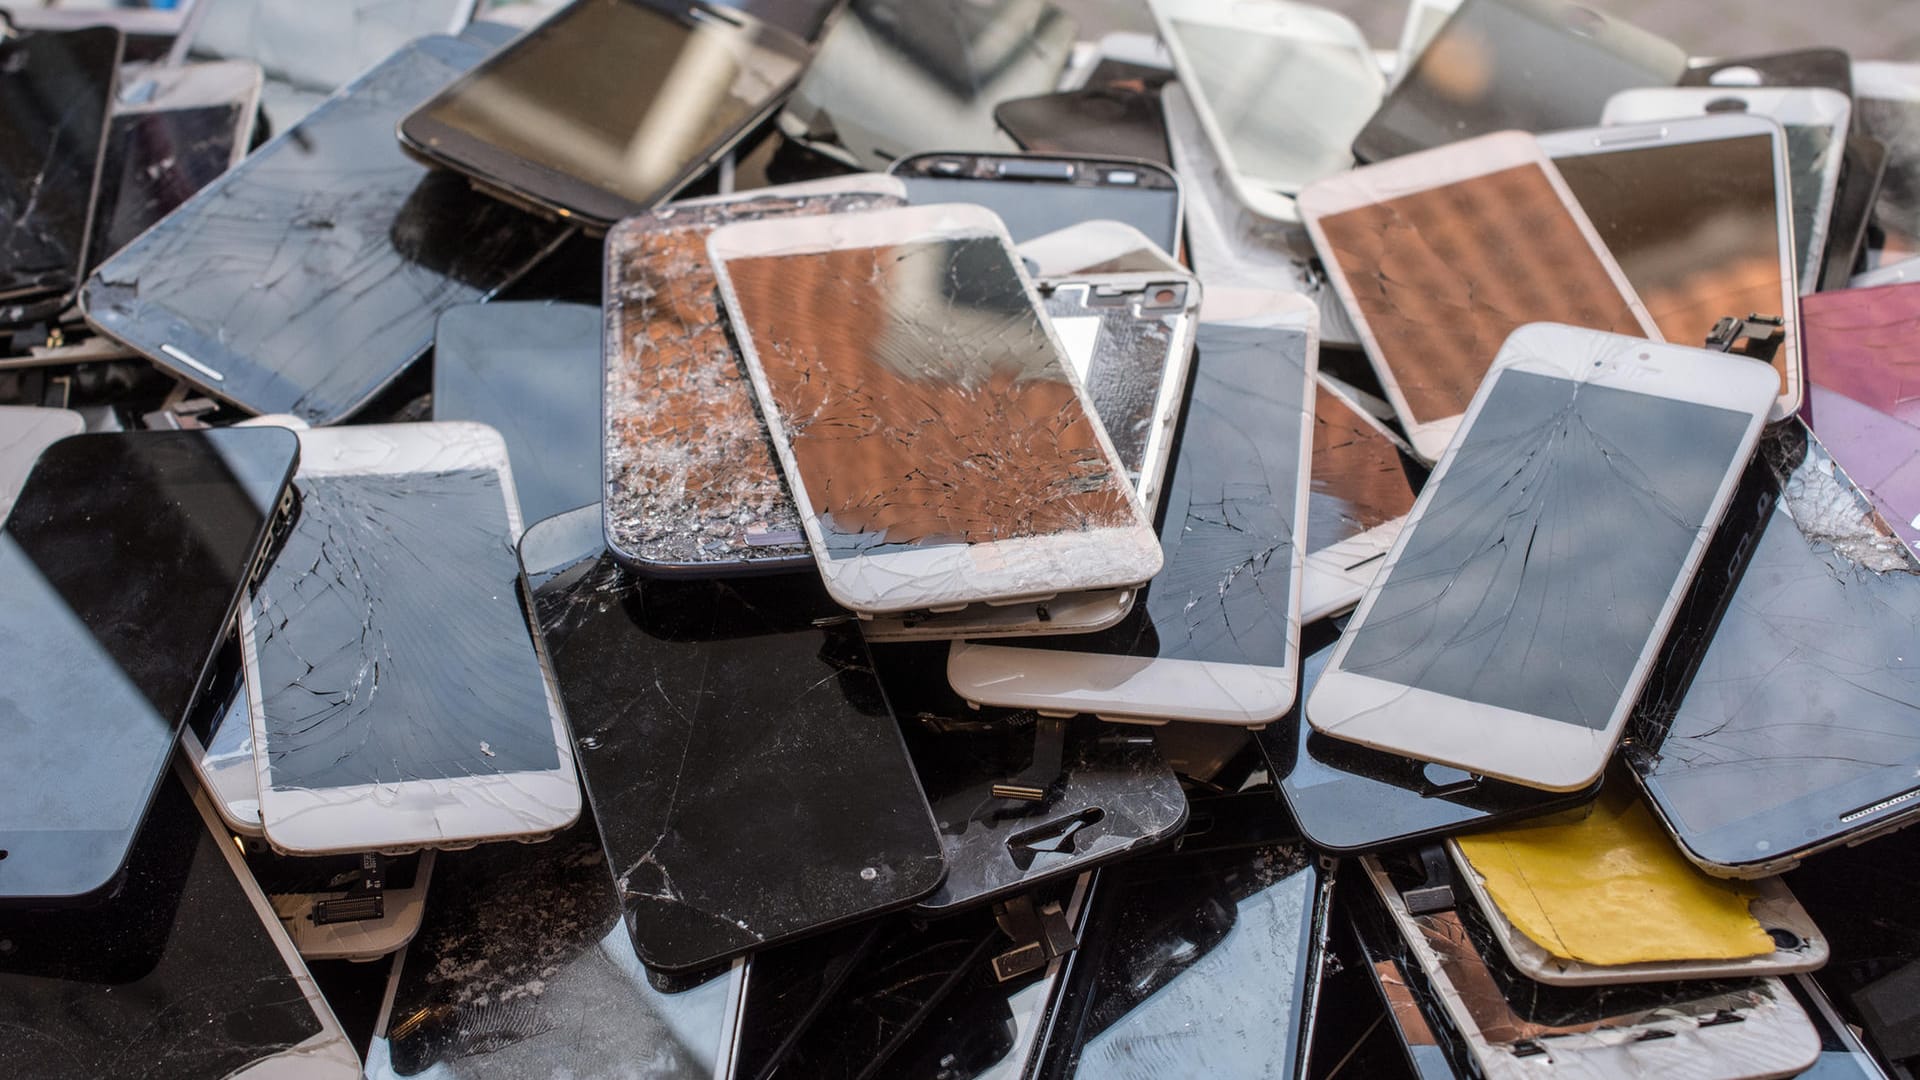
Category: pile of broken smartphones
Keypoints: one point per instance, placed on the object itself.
(928, 539)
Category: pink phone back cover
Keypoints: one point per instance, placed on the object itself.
(1862, 354)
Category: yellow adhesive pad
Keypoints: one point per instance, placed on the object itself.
(1613, 889)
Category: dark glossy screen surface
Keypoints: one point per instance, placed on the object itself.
(1360, 478)
(1789, 698)
(119, 570)
(391, 640)
(310, 276)
(57, 89)
(1511, 570)
(1097, 120)
(1226, 517)
(1036, 209)
(155, 161)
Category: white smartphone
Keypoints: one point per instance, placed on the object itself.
(399, 699)
(1281, 89)
(1437, 254)
(1215, 638)
(1361, 492)
(1512, 625)
(938, 444)
(1816, 121)
(1697, 212)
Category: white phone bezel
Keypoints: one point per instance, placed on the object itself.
(1798, 105)
(367, 939)
(1131, 689)
(412, 815)
(1583, 142)
(1337, 576)
(1006, 570)
(1503, 743)
(1266, 196)
(1774, 907)
(1426, 170)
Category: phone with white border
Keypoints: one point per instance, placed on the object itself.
(1511, 627)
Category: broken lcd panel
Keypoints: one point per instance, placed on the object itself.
(1785, 716)
(696, 701)
(788, 986)
(307, 278)
(531, 371)
(691, 483)
(1864, 394)
(156, 160)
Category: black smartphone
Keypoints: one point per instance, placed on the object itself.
(609, 106)
(309, 277)
(1036, 194)
(121, 568)
(58, 88)
(1097, 120)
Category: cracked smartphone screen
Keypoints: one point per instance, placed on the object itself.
(1121, 342)
(1441, 277)
(1863, 394)
(155, 161)
(926, 354)
(1360, 479)
(59, 89)
(691, 480)
(1786, 711)
(310, 276)
(1514, 563)
(391, 645)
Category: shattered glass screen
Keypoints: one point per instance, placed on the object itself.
(1805, 704)
(1288, 105)
(1864, 393)
(1442, 276)
(57, 88)
(691, 478)
(1226, 517)
(1360, 480)
(391, 641)
(620, 94)
(154, 162)
(1514, 563)
(1695, 226)
(1811, 156)
(309, 276)
(928, 352)
(1121, 352)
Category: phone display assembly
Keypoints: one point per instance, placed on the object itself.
(1863, 169)
(1621, 443)
(1363, 482)
(668, 684)
(685, 496)
(1280, 88)
(531, 371)
(1205, 962)
(1886, 105)
(1436, 255)
(184, 971)
(1095, 121)
(1698, 214)
(1016, 492)
(1215, 637)
(1515, 65)
(1035, 195)
(109, 534)
(1860, 398)
(1782, 719)
(175, 130)
(464, 740)
(25, 432)
(1815, 122)
(1829, 68)
(609, 106)
(1350, 799)
(1514, 1027)
(788, 987)
(1021, 798)
(59, 90)
(945, 63)
(522, 968)
(346, 907)
(310, 276)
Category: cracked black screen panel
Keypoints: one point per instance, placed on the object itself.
(1226, 518)
(1128, 351)
(311, 275)
(1805, 703)
(56, 89)
(154, 162)
(391, 639)
(1535, 574)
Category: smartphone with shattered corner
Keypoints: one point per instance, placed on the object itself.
(692, 487)
(1579, 445)
(1440, 255)
(1215, 638)
(915, 335)
(1363, 482)
(1092, 120)
(1035, 194)
(400, 701)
